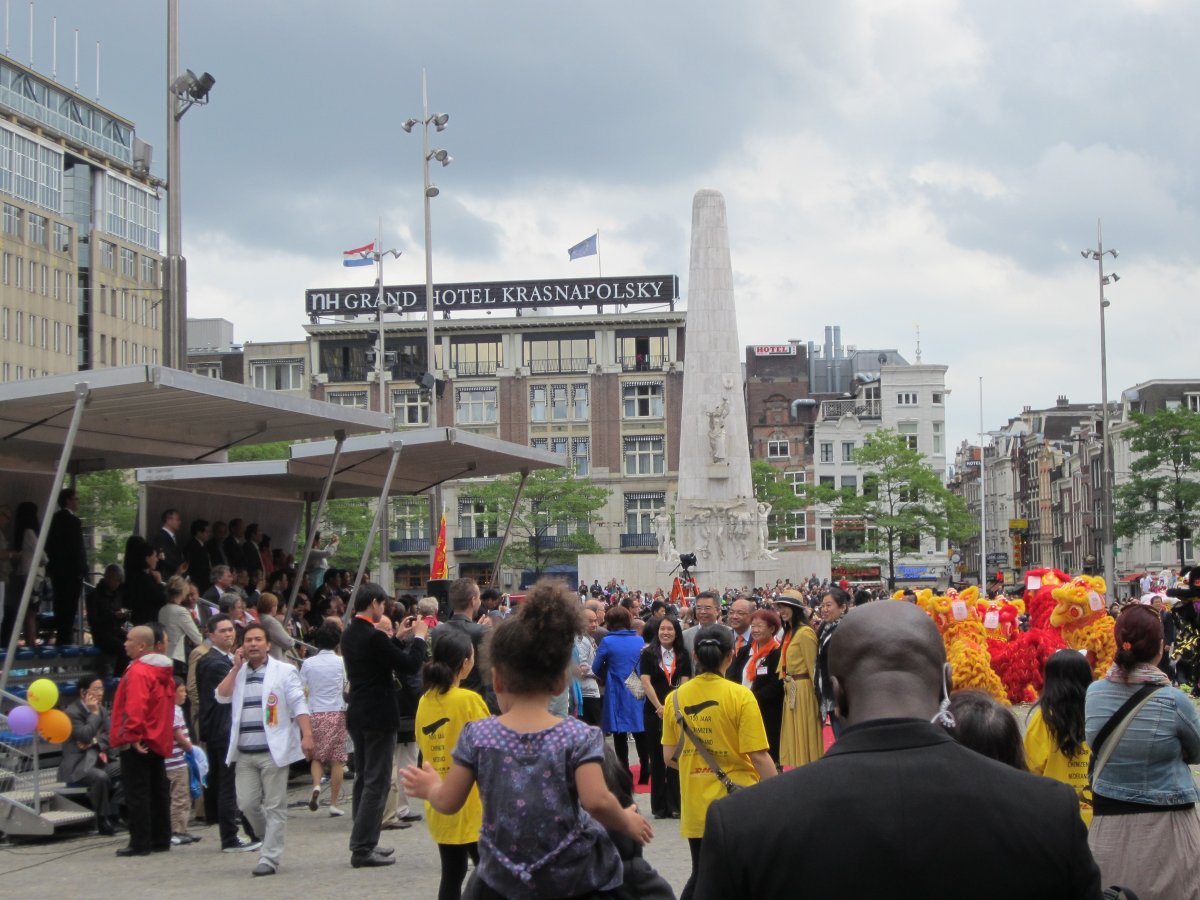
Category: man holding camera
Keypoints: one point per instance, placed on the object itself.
(372, 715)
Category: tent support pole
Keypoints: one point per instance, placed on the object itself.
(512, 513)
(397, 446)
(310, 535)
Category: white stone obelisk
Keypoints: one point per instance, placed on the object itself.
(716, 515)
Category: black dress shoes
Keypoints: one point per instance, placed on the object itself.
(130, 851)
(371, 860)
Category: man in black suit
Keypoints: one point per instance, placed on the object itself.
(914, 811)
(166, 542)
(372, 716)
(740, 611)
(85, 755)
(66, 564)
(215, 722)
(233, 545)
(216, 544)
(195, 553)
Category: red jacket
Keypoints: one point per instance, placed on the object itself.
(144, 708)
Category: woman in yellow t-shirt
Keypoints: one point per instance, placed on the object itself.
(1054, 739)
(443, 711)
(725, 716)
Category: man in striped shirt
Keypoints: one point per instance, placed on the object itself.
(270, 731)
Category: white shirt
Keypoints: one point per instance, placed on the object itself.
(324, 678)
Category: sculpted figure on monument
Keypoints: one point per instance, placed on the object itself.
(716, 430)
(662, 530)
(764, 511)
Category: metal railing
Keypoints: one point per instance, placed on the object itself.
(639, 540)
(469, 369)
(862, 409)
(22, 780)
(474, 543)
(409, 545)
(550, 366)
(641, 363)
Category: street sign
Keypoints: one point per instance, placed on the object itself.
(997, 559)
(955, 558)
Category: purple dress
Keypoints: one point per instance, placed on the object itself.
(536, 840)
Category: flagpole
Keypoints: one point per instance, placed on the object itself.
(599, 268)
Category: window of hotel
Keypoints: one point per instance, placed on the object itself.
(12, 220)
(558, 402)
(475, 406)
(906, 399)
(579, 399)
(149, 269)
(826, 451)
(908, 431)
(45, 280)
(474, 520)
(642, 352)
(564, 354)
(356, 399)
(7, 268)
(103, 343)
(644, 455)
(540, 444)
(19, 274)
(472, 356)
(1192, 402)
(32, 330)
(36, 233)
(277, 374)
(937, 399)
(581, 456)
(560, 447)
(537, 402)
(850, 482)
(778, 450)
(640, 510)
(408, 408)
(847, 451)
(939, 429)
(643, 399)
(128, 262)
(108, 251)
(32, 276)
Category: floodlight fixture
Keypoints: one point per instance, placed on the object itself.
(439, 120)
(432, 191)
(408, 125)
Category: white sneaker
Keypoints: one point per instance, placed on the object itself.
(334, 811)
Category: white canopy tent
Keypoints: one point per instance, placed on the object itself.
(145, 416)
(376, 465)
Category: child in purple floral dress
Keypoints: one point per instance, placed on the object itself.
(545, 802)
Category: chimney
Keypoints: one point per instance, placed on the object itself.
(1062, 401)
(837, 341)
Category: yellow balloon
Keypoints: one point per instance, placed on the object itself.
(42, 694)
(54, 726)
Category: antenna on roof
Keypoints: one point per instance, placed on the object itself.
(918, 343)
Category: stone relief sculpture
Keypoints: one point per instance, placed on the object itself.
(717, 434)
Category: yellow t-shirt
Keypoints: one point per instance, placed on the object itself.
(1044, 758)
(440, 719)
(725, 716)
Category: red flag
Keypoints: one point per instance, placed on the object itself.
(439, 552)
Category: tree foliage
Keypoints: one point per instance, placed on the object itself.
(1162, 497)
(108, 511)
(903, 500)
(552, 522)
(247, 452)
(783, 497)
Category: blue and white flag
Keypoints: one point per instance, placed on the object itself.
(586, 247)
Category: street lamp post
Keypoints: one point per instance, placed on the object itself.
(184, 90)
(429, 191)
(1108, 556)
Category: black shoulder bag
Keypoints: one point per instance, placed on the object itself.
(722, 776)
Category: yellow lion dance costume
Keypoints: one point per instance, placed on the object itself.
(1082, 619)
(957, 618)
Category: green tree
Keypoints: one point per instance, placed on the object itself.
(246, 452)
(350, 518)
(552, 522)
(1162, 497)
(783, 497)
(903, 499)
(108, 510)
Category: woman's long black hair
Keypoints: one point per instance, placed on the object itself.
(1068, 676)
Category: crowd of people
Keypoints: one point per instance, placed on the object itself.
(760, 720)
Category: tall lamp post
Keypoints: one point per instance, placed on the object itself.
(430, 190)
(184, 90)
(1107, 551)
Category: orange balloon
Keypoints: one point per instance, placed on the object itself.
(54, 725)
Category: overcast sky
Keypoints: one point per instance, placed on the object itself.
(886, 165)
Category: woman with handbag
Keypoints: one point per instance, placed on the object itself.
(800, 732)
(616, 664)
(1144, 734)
(664, 666)
(713, 734)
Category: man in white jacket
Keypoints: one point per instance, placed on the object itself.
(270, 731)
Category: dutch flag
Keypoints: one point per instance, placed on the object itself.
(359, 256)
